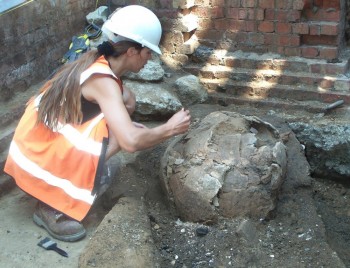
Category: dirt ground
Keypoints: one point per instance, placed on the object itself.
(311, 226)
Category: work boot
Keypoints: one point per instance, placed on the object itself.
(57, 224)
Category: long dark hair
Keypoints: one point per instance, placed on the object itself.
(61, 99)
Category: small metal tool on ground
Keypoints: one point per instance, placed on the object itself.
(333, 105)
(48, 244)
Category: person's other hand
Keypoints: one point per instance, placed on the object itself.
(180, 121)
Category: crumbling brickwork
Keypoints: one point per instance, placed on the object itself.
(34, 38)
(305, 28)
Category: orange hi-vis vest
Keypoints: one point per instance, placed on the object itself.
(60, 167)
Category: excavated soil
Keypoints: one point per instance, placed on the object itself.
(310, 228)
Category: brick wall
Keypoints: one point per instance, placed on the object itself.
(33, 39)
(305, 28)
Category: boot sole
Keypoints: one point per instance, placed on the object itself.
(66, 238)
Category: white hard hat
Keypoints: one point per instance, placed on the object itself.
(136, 23)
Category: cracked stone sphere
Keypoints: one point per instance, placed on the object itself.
(228, 165)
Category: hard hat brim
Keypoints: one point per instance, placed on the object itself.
(107, 30)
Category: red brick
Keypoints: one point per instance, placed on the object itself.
(292, 51)
(331, 4)
(232, 13)
(326, 84)
(315, 29)
(329, 29)
(280, 50)
(318, 3)
(329, 53)
(260, 14)
(282, 27)
(242, 25)
(309, 52)
(217, 12)
(331, 68)
(232, 62)
(167, 25)
(234, 3)
(266, 27)
(210, 34)
(165, 3)
(294, 40)
(300, 28)
(251, 26)
(249, 3)
(270, 39)
(168, 13)
(246, 14)
(316, 68)
(289, 16)
(256, 38)
(270, 14)
(202, 12)
(238, 37)
(205, 23)
(221, 24)
(283, 40)
(267, 3)
(284, 4)
(308, 4)
(316, 40)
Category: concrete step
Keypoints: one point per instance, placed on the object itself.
(285, 77)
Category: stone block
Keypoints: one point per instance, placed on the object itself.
(188, 23)
(190, 45)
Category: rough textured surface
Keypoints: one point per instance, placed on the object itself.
(328, 147)
(122, 239)
(190, 91)
(310, 228)
(229, 164)
(153, 100)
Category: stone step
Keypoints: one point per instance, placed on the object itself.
(270, 61)
(286, 77)
(263, 90)
(274, 104)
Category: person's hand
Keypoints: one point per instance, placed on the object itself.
(180, 121)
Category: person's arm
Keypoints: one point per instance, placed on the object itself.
(129, 100)
(106, 92)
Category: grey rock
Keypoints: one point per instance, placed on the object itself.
(327, 147)
(190, 90)
(225, 169)
(153, 101)
(151, 72)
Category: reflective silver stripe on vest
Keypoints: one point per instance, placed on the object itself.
(62, 183)
(80, 140)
